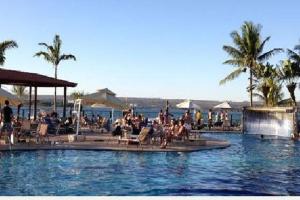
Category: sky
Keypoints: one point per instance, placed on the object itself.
(144, 48)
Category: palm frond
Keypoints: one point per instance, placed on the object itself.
(67, 57)
(234, 62)
(237, 39)
(297, 47)
(269, 54)
(262, 45)
(57, 47)
(232, 75)
(44, 44)
(259, 96)
(20, 91)
(8, 44)
(293, 55)
(45, 55)
(233, 51)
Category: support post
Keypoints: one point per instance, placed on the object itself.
(65, 102)
(35, 102)
(30, 93)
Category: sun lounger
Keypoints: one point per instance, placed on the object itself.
(27, 131)
(136, 139)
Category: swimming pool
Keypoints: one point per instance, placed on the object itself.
(249, 166)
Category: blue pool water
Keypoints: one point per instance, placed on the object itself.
(249, 166)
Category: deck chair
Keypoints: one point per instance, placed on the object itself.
(25, 127)
(26, 132)
(143, 137)
(140, 139)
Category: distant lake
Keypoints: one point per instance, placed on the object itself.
(146, 112)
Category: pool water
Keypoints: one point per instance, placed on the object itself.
(250, 166)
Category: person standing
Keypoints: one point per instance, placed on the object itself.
(161, 117)
(209, 119)
(6, 118)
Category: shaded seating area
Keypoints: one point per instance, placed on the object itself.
(34, 80)
(29, 127)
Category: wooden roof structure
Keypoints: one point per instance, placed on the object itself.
(13, 77)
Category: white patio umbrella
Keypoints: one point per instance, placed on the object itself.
(224, 105)
(188, 104)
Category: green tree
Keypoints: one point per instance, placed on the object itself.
(8, 44)
(54, 56)
(77, 95)
(294, 55)
(20, 91)
(269, 87)
(247, 53)
(289, 74)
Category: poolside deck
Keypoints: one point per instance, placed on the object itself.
(105, 142)
(217, 131)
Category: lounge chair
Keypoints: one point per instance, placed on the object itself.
(26, 131)
(136, 139)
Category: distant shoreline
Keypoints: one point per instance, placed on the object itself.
(142, 102)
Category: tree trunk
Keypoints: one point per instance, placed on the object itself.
(266, 90)
(291, 88)
(250, 87)
(55, 76)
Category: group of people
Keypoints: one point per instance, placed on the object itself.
(176, 128)
(218, 118)
(11, 124)
(130, 122)
(97, 120)
(164, 128)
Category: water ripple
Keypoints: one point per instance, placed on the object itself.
(248, 167)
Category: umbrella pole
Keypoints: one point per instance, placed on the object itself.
(78, 114)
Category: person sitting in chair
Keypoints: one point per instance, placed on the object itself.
(182, 132)
(117, 130)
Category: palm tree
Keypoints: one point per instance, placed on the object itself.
(77, 94)
(54, 56)
(269, 88)
(247, 53)
(289, 74)
(8, 44)
(20, 91)
(294, 55)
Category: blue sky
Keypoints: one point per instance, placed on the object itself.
(144, 48)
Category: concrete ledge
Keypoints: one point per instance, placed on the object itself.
(105, 146)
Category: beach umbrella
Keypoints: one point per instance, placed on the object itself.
(104, 97)
(224, 105)
(13, 100)
(188, 104)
